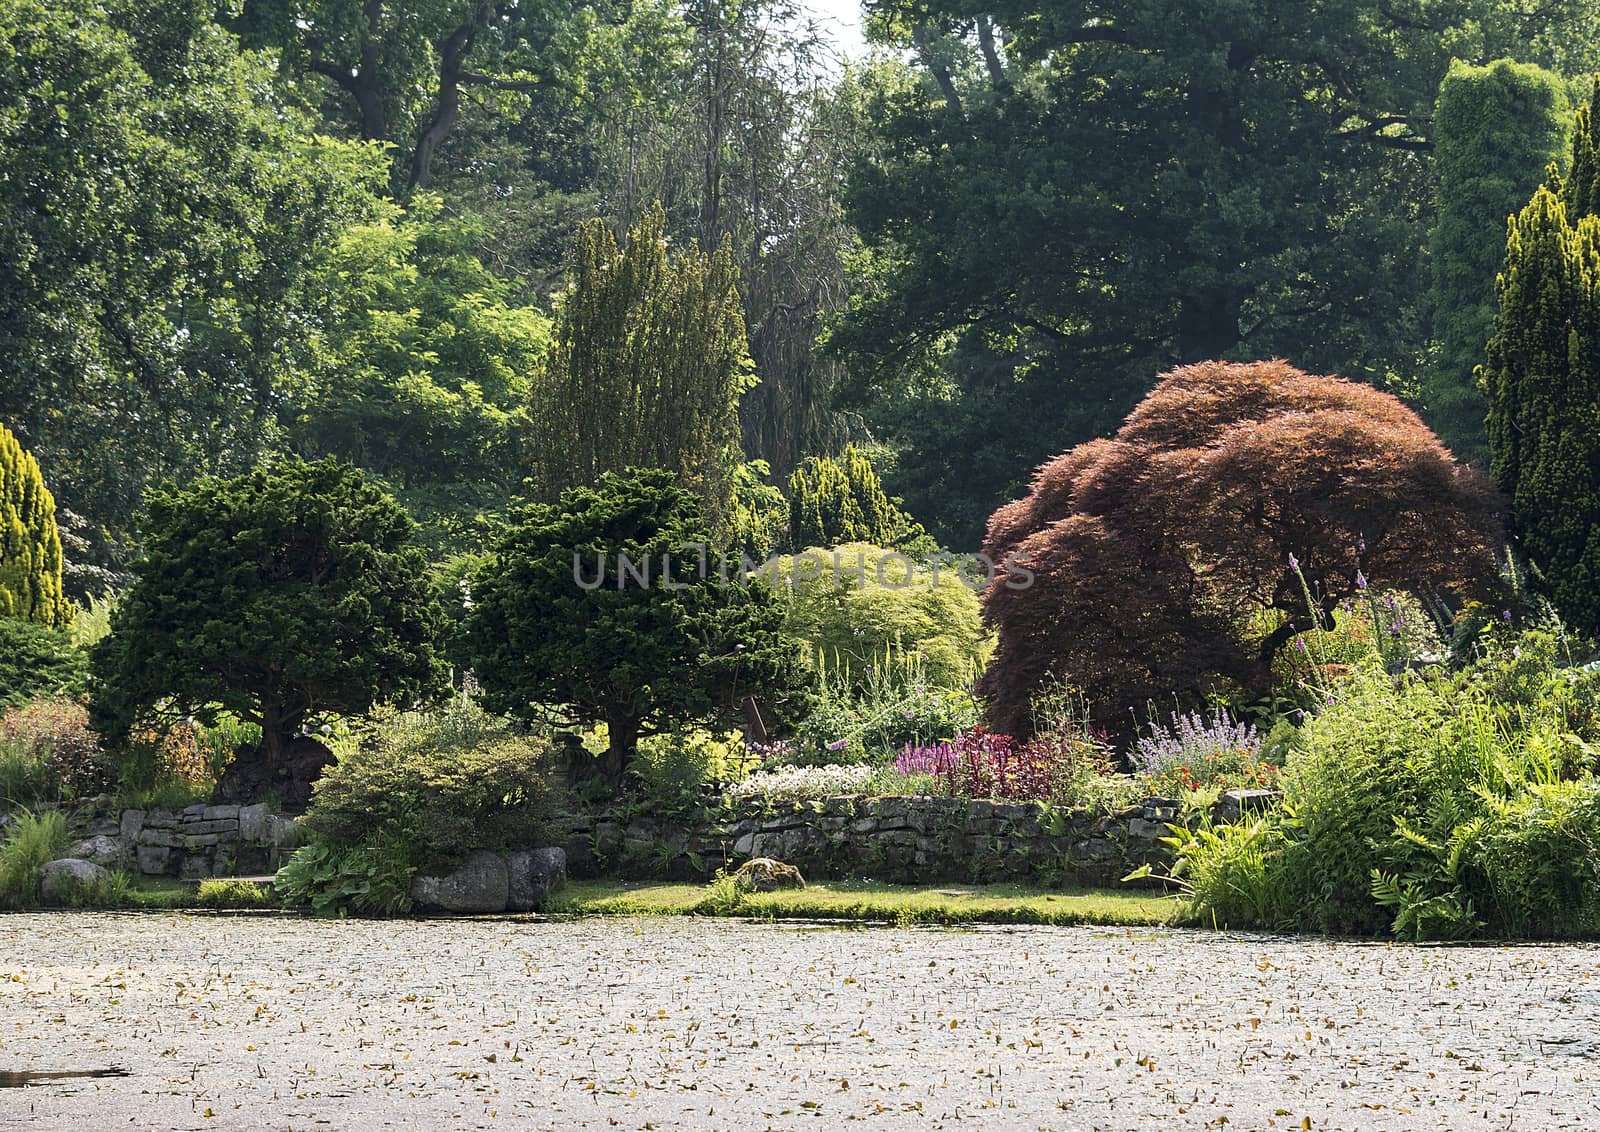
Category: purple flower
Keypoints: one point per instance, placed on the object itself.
(1361, 581)
(839, 745)
(1294, 563)
(1506, 614)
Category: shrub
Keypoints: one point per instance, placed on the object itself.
(1431, 806)
(441, 784)
(1193, 751)
(835, 500)
(636, 656)
(38, 663)
(672, 770)
(57, 733)
(803, 782)
(368, 880)
(233, 893)
(859, 606)
(30, 544)
(1145, 564)
(276, 596)
(31, 841)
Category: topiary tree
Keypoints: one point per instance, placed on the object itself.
(1495, 131)
(601, 609)
(30, 544)
(1172, 554)
(839, 499)
(1543, 379)
(279, 595)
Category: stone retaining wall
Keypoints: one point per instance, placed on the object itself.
(899, 840)
(194, 843)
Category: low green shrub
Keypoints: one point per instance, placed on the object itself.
(423, 788)
(38, 663)
(672, 770)
(234, 894)
(32, 840)
(1427, 804)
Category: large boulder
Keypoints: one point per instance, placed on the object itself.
(69, 881)
(534, 874)
(481, 885)
(763, 874)
(105, 850)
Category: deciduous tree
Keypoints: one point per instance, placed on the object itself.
(1172, 555)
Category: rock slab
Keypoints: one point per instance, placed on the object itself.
(481, 885)
(63, 882)
(533, 874)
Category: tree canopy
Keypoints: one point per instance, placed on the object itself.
(1235, 509)
(608, 608)
(278, 595)
(1543, 378)
(30, 543)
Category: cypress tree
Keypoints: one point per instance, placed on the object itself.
(1496, 129)
(838, 500)
(30, 544)
(1543, 381)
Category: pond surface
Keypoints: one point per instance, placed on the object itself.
(233, 1022)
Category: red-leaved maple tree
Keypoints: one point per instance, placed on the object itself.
(1165, 558)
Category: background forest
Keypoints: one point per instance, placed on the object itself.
(345, 228)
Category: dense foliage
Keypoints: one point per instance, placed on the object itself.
(30, 544)
(646, 369)
(836, 500)
(857, 604)
(278, 595)
(1065, 198)
(1426, 805)
(1235, 509)
(1543, 376)
(607, 608)
(1496, 129)
(420, 789)
(158, 226)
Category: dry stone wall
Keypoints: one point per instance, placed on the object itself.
(898, 840)
(193, 843)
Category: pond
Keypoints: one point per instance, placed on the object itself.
(224, 1022)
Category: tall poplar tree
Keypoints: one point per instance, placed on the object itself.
(646, 369)
(1543, 380)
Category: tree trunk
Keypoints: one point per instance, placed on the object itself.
(278, 727)
(614, 764)
(447, 103)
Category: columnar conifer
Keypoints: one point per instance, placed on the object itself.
(30, 544)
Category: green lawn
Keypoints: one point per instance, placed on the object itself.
(866, 901)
